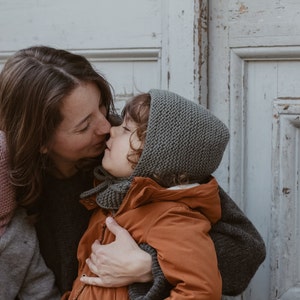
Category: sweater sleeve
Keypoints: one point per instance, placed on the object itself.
(39, 282)
(158, 289)
(23, 271)
(240, 248)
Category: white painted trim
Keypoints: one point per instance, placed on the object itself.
(285, 205)
(268, 53)
(108, 55)
(237, 128)
(127, 54)
(292, 293)
(180, 49)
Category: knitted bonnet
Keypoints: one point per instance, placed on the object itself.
(182, 138)
(7, 195)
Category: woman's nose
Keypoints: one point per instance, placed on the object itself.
(102, 126)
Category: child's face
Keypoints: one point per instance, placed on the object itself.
(115, 159)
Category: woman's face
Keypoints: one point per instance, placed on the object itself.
(83, 131)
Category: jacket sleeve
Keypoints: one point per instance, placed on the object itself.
(239, 246)
(186, 254)
(158, 289)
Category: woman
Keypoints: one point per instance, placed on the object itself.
(56, 111)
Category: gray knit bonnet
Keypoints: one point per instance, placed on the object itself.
(182, 137)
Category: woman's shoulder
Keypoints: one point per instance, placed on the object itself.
(20, 232)
(3, 146)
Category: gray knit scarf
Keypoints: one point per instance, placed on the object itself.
(110, 192)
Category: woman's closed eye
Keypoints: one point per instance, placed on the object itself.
(84, 128)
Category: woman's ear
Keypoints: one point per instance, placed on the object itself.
(43, 150)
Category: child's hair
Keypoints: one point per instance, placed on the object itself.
(138, 110)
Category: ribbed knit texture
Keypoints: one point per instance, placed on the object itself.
(239, 246)
(7, 194)
(111, 190)
(63, 220)
(158, 289)
(182, 137)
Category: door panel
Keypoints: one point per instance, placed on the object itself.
(137, 44)
(254, 63)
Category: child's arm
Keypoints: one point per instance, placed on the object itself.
(7, 195)
(186, 254)
(240, 248)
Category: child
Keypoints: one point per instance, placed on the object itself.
(156, 181)
(23, 273)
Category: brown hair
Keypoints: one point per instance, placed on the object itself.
(33, 84)
(138, 110)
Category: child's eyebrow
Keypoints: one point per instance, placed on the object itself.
(131, 127)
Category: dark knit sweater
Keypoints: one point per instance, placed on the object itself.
(62, 222)
(240, 248)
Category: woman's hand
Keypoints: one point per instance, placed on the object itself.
(119, 263)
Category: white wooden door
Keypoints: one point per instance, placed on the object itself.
(254, 85)
(136, 44)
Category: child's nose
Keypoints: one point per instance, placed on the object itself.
(113, 130)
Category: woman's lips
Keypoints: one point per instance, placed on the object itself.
(101, 146)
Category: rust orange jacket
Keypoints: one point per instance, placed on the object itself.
(176, 223)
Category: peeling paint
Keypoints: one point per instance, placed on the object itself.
(243, 9)
(288, 98)
(203, 52)
(286, 190)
